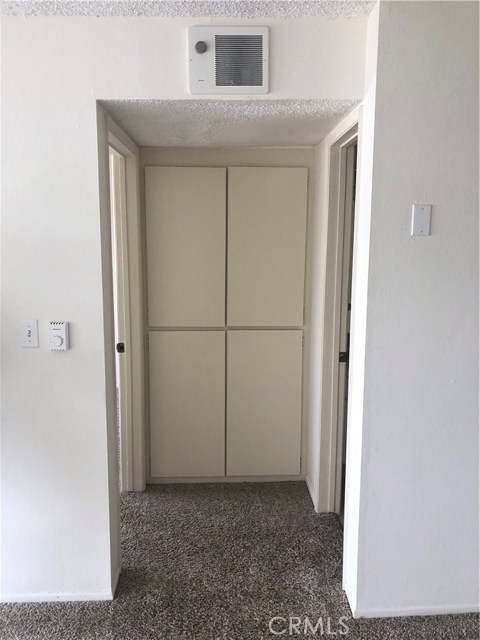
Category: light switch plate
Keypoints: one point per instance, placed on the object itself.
(421, 216)
(30, 334)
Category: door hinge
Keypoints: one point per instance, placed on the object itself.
(343, 356)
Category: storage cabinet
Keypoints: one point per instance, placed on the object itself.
(225, 352)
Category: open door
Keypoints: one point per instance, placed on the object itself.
(348, 171)
(121, 297)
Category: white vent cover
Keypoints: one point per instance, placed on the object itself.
(228, 59)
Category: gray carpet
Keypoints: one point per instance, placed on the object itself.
(217, 562)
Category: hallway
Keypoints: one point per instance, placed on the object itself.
(217, 562)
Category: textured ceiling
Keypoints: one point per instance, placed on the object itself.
(192, 8)
(225, 123)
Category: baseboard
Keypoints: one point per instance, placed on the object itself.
(226, 479)
(56, 597)
(64, 597)
(416, 611)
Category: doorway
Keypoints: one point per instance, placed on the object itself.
(339, 153)
(122, 162)
(121, 298)
(235, 160)
(348, 172)
(327, 174)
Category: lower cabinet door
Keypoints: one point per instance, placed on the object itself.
(264, 392)
(187, 403)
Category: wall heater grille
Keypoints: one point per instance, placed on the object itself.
(238, 61)
(228, 60)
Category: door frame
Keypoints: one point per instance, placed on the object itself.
(132, 449)
(343, 137)
(121, 291)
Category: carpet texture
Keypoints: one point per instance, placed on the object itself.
(217, 562)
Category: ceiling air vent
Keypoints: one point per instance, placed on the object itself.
(228, 60)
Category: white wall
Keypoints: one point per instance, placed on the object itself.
(361, 256)
(414, 528)
(58, 535)
(414, 429)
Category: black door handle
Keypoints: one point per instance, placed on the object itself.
(120, 347)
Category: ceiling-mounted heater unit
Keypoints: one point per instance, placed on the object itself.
(228, 59)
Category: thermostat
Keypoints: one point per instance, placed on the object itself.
(58, 336)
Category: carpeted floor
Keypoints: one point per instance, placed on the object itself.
(217, 562)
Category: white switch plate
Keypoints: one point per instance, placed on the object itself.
(58, 339)
(421, 215)
(29, 334)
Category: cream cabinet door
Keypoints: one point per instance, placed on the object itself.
(187, 403)
(267, 210)
(264, 389)
(185, 229)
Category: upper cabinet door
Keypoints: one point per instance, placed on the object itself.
(267, 210)
(185, 211)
